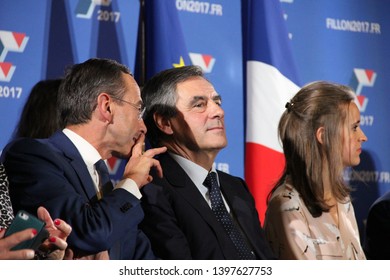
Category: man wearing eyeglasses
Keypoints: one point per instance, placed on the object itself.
(101, 109)
(195, 211)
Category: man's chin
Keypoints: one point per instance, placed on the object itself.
(222, 145)
(120, 155)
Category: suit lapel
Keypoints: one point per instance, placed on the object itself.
(233, 193)
(62, 143)
(238, 205)
(184, 186)
(177, 177)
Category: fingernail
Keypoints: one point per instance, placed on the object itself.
(34, 231)
(30, 254)
(57, 222)
(52, 239)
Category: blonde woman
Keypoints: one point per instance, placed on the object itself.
(310, 214)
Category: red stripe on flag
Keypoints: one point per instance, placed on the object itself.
(263, 167)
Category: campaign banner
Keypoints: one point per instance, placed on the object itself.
(40, 39)
(341, 41)
(348, 42)
(207, 34)
(22, 47)
(213, 33)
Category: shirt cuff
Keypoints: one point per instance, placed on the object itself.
(130, 186)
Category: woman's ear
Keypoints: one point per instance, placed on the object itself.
(320, 134)
(163, 123)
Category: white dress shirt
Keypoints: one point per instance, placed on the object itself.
(90, 156)
(198, 174)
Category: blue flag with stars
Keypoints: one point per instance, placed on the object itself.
(165, 45)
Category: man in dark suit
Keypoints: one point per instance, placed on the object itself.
(195, 211)
(101, 109)
(376, 241)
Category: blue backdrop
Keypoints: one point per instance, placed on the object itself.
(345, 41)
(348, 42)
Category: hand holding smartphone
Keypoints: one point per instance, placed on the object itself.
(24, 220)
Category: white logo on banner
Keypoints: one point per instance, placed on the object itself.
(85, 8)
(205, 61)
(10, 42)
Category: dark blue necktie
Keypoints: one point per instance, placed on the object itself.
(105, 184)
(105, 187)
(222, 215)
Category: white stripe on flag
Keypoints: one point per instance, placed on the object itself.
(267, 93)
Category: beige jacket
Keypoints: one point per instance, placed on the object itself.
(294, 233)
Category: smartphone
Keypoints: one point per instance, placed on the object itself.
(24, 220)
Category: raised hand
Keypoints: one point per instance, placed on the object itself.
(140, 163)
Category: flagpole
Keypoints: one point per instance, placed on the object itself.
(141, 57)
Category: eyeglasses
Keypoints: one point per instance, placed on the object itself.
(141, 109)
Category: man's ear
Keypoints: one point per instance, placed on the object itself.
(320, 134)
(104, 106)
(163, 123)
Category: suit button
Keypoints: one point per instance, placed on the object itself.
(125, 207)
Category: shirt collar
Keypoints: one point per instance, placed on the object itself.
(196, 172)
(88, 153)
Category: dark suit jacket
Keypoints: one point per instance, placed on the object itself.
(51, 173)
(181, 225)
(376, 242)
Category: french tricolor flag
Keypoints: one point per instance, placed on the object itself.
(271, 81)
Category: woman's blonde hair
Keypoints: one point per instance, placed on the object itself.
(318, 104)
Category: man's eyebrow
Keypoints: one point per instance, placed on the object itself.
(197, 98)
(217, 97)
